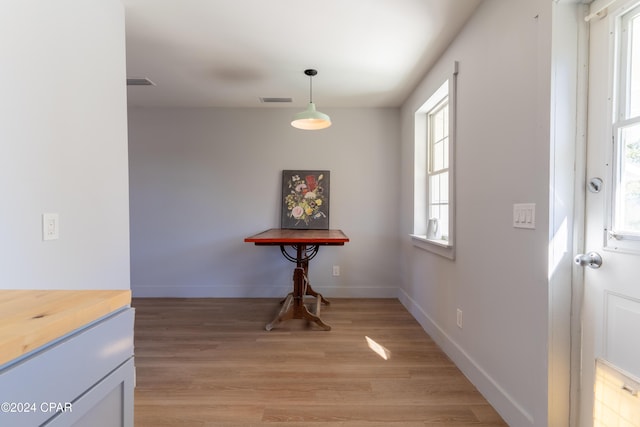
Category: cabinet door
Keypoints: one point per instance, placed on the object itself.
(108, 404)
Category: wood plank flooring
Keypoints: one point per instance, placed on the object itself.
(210, 362)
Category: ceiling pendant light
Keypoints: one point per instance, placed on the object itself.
(311, 119)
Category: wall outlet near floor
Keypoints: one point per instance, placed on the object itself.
(459, 318)
(336, 270)
(50, 226)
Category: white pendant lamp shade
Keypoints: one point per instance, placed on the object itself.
(311, 119)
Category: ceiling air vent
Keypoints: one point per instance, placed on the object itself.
(267, 100)
(143, 81)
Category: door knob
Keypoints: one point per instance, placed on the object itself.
(591, 260)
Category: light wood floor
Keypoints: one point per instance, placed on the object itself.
(210, 362)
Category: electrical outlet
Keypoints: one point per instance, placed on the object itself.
(459, 318)
(336, 270)
(50, 226)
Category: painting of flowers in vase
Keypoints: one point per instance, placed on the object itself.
(305, 199)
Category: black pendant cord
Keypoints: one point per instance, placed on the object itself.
(310, 72)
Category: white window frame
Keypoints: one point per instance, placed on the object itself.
(617, 240)
(431, 172)
(445, 248)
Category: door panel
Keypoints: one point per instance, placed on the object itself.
(622, 324)
(611, 308)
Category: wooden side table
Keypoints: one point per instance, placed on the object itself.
(306, 244)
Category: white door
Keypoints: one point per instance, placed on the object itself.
(611, 306)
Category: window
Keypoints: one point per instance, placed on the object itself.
(433, 218)
(624, 217)
(438, 171)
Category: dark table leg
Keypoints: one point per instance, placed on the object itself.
(293, 306)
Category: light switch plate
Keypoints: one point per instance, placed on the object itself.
(524, 215)
(50, 226)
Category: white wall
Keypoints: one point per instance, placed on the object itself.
(204, 179)
(500, 277)
(63, 144)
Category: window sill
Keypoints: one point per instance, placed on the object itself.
(443, 248)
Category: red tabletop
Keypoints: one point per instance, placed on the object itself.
(282, 236)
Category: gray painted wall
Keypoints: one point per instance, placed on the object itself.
(63, 145)
(513, 289)
(204, 179)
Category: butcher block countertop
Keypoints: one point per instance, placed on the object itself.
(32, 318)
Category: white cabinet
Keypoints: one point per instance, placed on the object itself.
(85, 378)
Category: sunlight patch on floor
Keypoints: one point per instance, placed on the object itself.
(617, 403)
(379, 349)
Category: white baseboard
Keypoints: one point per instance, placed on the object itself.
(512, 412)
(266, 291)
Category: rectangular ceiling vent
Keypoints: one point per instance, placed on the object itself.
(142, 81)
(267, 100)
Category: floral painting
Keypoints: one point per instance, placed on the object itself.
(305, 199)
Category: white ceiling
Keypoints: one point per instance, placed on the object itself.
(229, 53)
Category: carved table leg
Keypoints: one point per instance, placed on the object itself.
(300, 310)
(285, 313)
(313, 293)
(309, 289)
(294, 307)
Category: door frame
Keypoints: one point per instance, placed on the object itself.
(579, 224)
(570, 55)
